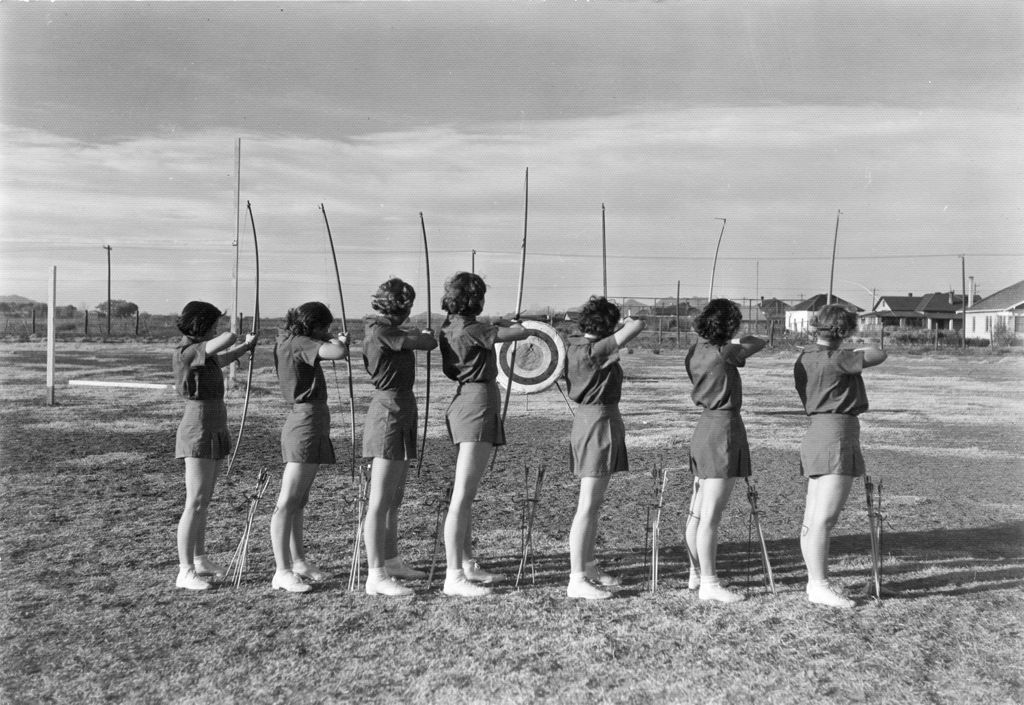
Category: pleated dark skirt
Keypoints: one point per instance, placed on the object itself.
(389, 429)
(306, 435)
(203, 431)
(597, 442)
(719, 447)
(474, 414)
(832, 446)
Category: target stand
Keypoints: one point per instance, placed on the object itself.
(540, 360)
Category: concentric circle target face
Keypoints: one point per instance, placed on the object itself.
(540, 360)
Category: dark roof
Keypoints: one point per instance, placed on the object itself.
(939, 302)
(819, 300)
(773, 305)
(1003, 300)
(894, 314)
(898, 303)
(934, 305)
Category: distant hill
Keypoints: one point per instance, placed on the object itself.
(15, 299)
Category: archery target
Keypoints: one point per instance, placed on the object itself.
(540, 360)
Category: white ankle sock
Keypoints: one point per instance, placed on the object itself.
(377, 574)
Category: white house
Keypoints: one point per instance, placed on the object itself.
(1003, 310)
(798, 318)
(931, 311)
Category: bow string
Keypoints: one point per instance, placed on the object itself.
(344, 329)
(426, 401)
(252, 353)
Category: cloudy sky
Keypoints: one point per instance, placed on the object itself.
(119, 123)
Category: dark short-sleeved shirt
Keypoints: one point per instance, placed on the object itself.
(197, 376)
(713, 370)
(390, 367)
(298, 369)
(593, 374)
(829, 381)
(467, 350)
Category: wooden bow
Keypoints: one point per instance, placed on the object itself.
(426, 401)
(714, 265)
(832, 266)
(252, 353)
(519, 309)
(344, 329)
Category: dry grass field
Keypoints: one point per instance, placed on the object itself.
(92, 495)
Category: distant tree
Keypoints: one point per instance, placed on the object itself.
(21, 308)
(118, 308)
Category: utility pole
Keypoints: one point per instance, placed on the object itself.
(108, 248)
(963, 285)
(678, 282)
(472, 263)
(51, 337)
(757, 293)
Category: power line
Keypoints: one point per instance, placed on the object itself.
(37, 245)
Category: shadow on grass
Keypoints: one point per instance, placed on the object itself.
(916, 564)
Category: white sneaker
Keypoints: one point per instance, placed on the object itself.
(287, 580)
(693, 583)
(387, 586)
(583, 590)
(397, 568)
(204, 566)
(188, 580)
(602, 578)
(476, 574)
(307, 570)
(458, 586)
(718, 592)
(824, 594)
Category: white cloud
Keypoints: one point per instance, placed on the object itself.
(778, 174)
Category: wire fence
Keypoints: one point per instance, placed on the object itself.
(665, 330)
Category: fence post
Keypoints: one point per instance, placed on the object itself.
(86, 321)
(677, 313)
(136, 323)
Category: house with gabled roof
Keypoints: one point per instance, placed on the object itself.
(798, 318)
(773, 312)
(1003, 310)
(936, 311)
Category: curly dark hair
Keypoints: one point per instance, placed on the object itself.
(834, 322)
(719, 321)
(305, 319)
(394, 298)
(464, 294)
(599, 316)
(197, 318)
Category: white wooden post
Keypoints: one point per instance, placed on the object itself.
(51, 340)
